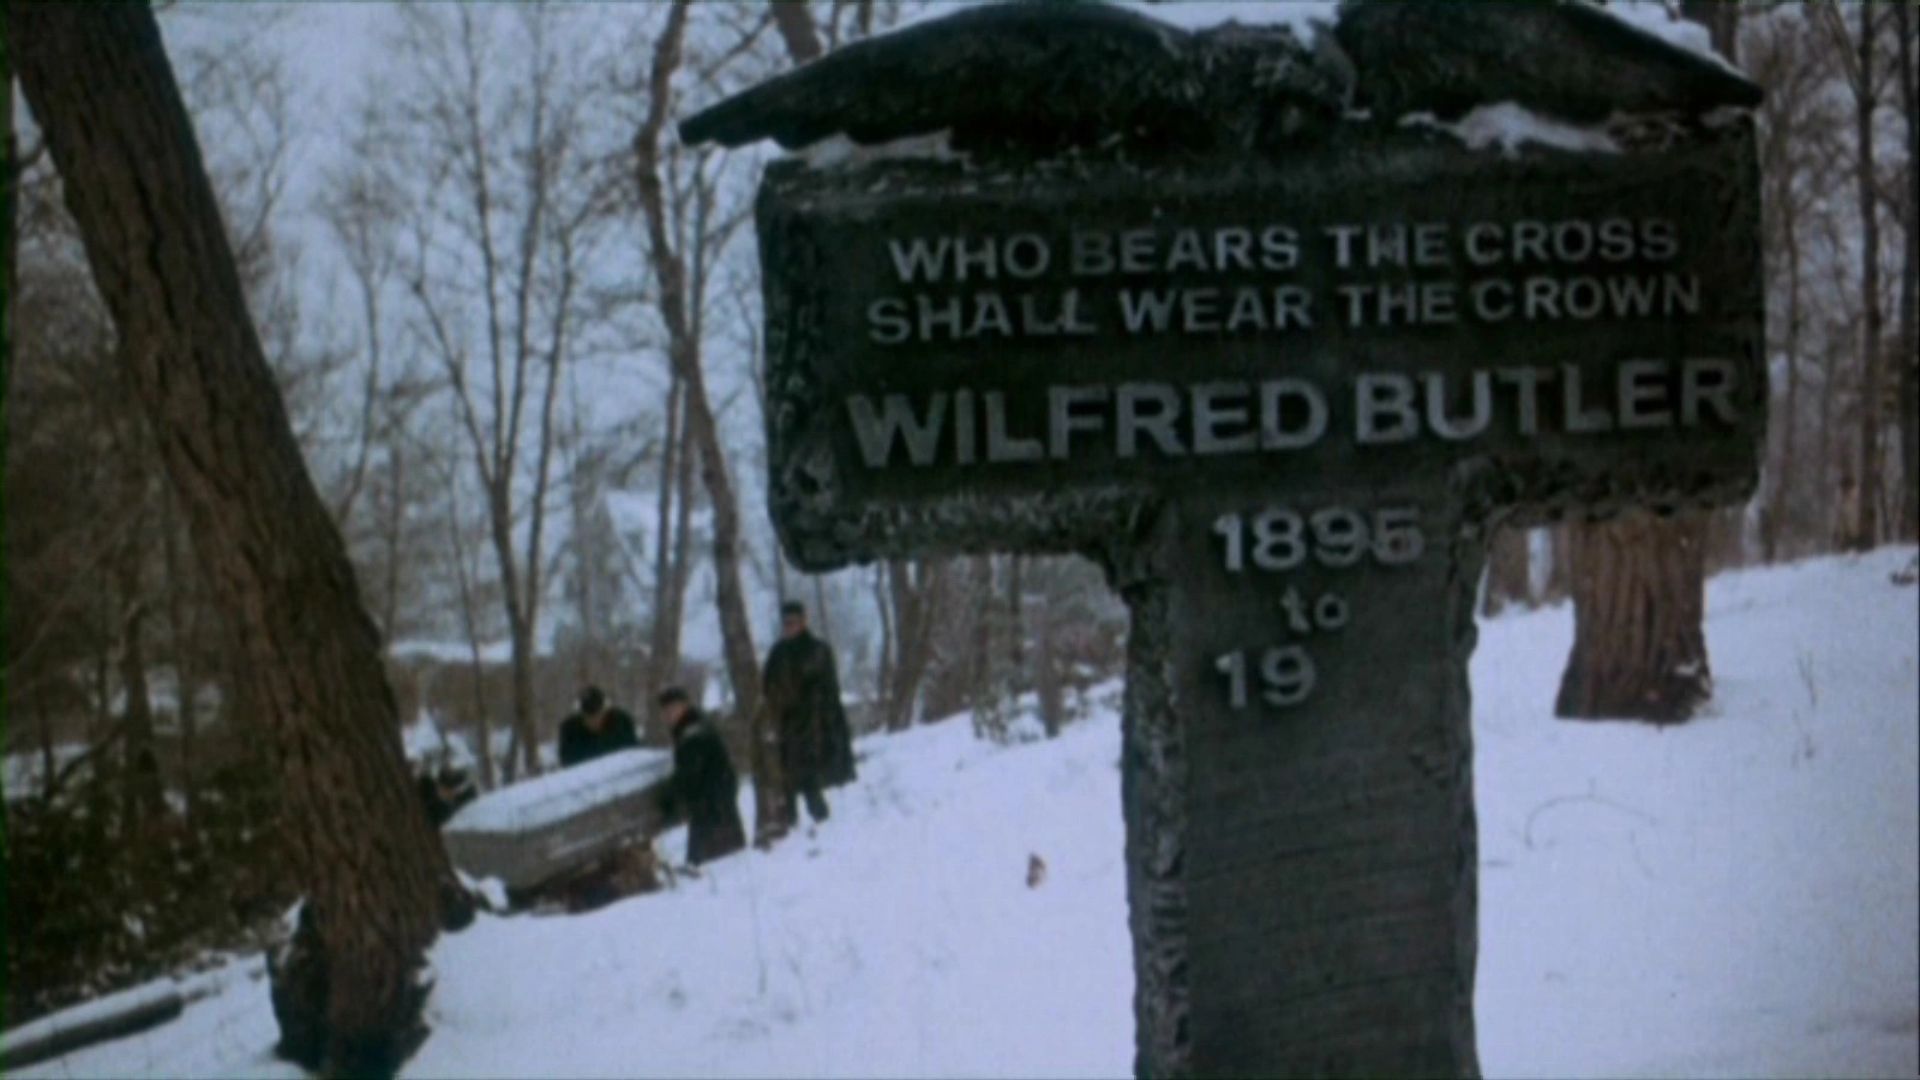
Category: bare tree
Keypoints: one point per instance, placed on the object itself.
(513, 194)
(1863, 81)
(1797, 169)
(1906, 23)
(361, 207)
(702, 229)
(99, 83)
(676, 307)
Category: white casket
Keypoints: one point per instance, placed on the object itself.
(533, 832)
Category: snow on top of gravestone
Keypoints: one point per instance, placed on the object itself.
(1654, 18)
(1507, 126)
(836, 151)
(559, 795)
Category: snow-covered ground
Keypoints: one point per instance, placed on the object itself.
(1735, 897)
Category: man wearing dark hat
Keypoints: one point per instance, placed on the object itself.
(596, 729)
(803, 696)
(703, 784)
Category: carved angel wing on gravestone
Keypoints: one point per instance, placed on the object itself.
(1046, 77)
(1043, 77)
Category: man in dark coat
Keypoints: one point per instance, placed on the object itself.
(596, 729)
(803, 693)
(703, 783)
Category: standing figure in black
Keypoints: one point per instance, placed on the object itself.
(596, 729)
(803, 692)
(703, 784)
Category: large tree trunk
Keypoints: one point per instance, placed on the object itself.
(1638, 601)
(98, 81)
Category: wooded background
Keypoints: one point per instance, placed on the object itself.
(516, 326)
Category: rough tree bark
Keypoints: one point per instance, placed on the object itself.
(98, 81)
(1639, 650)
(1638, 600)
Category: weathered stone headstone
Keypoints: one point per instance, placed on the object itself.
(1280, 397)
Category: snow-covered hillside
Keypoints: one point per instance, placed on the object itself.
(1738, 896)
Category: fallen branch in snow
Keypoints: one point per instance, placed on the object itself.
(95, 1021)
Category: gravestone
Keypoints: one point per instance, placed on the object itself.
(1280, 397)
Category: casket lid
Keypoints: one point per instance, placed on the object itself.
(555, 797)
